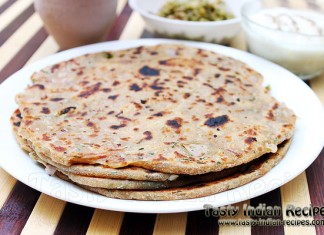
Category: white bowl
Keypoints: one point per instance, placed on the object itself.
(210, 31)
(299, 51)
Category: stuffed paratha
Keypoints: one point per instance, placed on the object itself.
(255, 171)
(161, 122)
(167, 108)
(181, 181)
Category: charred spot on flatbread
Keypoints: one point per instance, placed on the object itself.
(217, 121)
(148, 71)
(135, 87)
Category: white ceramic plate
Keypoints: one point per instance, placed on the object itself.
(306, 145)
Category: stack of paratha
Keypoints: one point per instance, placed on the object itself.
(162, 122)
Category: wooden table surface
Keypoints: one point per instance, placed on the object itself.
(25, 210)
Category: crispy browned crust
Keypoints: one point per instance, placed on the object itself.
(15, 120)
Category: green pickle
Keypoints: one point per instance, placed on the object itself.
(195, 10)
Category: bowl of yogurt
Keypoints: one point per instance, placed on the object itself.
(290, 37)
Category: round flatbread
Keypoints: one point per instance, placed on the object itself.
(255, 171)
(168, 108)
